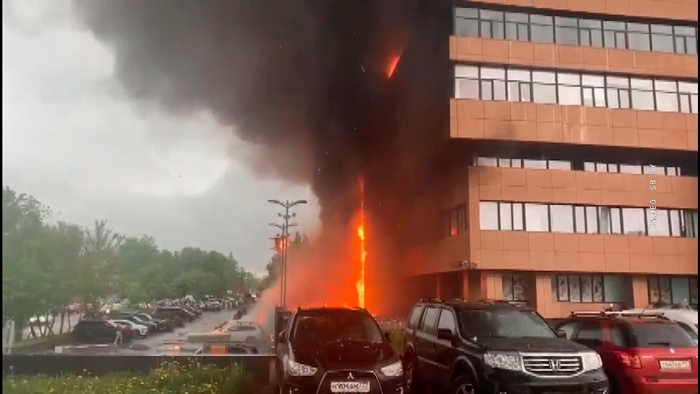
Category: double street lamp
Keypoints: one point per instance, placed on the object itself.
(284, 237)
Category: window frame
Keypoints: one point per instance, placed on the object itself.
(618, 29)
(619, 91)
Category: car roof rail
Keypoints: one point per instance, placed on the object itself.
(431, 299)
(615, 314)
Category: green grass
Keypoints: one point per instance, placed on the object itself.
(170, 378)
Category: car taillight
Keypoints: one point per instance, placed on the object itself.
(629, 360)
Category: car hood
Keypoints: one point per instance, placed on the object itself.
(550, 345)
(343, 355)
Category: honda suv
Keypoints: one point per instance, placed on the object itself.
(336, 350)
(494, 347)
(642, 352)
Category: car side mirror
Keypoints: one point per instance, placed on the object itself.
(562, 334)
(282, 337)
(387, 336)
(445, 335)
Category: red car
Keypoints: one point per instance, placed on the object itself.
(642, 353)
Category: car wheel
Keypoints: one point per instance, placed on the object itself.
(412, 382)
(463, 385)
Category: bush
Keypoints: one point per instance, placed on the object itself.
(398, 340)
(169, 378)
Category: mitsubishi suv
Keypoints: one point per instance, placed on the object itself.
(494, 347)
(336, 350)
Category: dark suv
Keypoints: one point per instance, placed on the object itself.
(494, 347)
(336, 350)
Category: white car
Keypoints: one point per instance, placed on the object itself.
(141, 329)
(239, 332)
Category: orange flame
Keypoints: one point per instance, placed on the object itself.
(392, 66)
(360, 285)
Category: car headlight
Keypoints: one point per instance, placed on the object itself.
(503, 360)
(392, 370)
(591, 361)
(296, 369)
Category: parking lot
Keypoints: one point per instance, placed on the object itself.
(159, 343)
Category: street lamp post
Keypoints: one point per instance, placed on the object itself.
(284, 227)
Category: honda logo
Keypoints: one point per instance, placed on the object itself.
(350, 377)
(554, 365)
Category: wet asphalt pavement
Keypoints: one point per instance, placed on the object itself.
(160, 343)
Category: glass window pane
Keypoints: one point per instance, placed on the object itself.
(662, 43)
(506, 217)
(519, 75)
(486, 162)
(488, 215)
(604, 220)
(580, 217)
(518, 215)
(616, 220)
(592, 220)
(676, 223)
(561, 218)
(537, 164)
(493, 73)
(630, 169)
(467, 72)
(639, 41)
(544, 77)
(544, 94)
(465, 12)
(559, 165)
(667, 102)
(466, 27)
(569, 95)
(658, 223)
(467, 89)
(536, 218)
(634, 221)
(643, 100)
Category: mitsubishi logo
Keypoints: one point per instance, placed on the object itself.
(350, 377)
(554, 365)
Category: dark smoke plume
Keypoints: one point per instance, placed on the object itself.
(292, 77)
(305, 83)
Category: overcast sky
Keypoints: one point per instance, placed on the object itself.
(74, 142)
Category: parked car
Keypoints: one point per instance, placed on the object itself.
(212, 305)
(641, 353)
(131, 317)
(97, 331)
(686, 318)
(192, 309)
(174, 313)
(494, 347)
(161, 324)
(136, 329)
(339, 350)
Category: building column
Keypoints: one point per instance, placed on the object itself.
(465, 285)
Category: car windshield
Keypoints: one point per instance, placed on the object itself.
(661, 335)
(504, 323)
(337, 327)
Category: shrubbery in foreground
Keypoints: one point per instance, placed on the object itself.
(170, 378)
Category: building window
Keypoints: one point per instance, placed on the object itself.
(457, 220)
(549, 87)
(515, 286)
(673, 290)
(523, 163)
(536, 27)
(631, 169)
(567, 218)
(580, 288)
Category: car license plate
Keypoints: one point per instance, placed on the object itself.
(675, 365)
(350, 387)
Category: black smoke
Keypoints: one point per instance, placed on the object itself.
(304, 82)
(295, 78)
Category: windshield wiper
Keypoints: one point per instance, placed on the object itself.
(659, 343)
